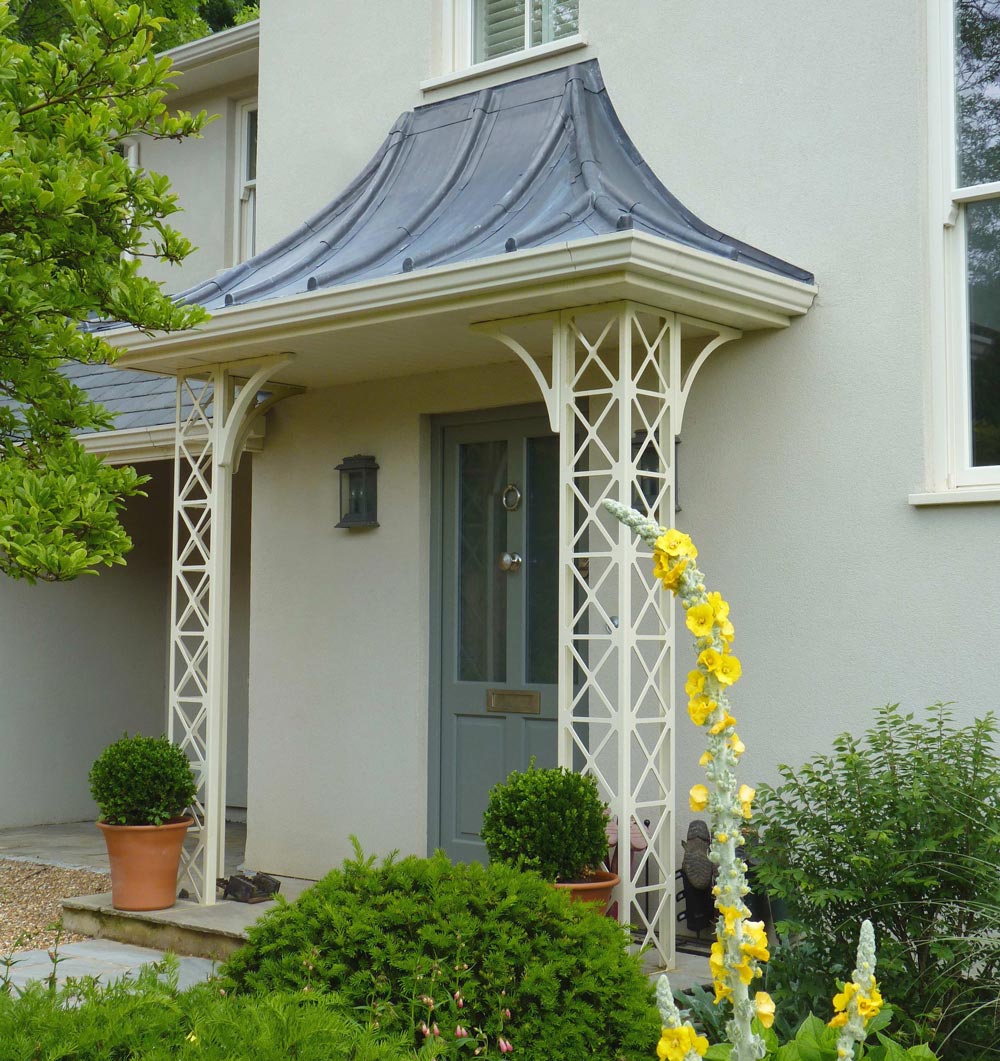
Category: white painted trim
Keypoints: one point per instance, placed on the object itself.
(222, 45)
(136, 445)
(502, 62)
(961, 496)
(244, 189)
(977, 192)
(660, 269)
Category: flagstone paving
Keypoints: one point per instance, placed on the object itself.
(105, 959)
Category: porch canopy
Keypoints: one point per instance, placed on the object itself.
(517, 222)
(510, 201)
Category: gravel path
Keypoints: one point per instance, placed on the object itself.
(30, 897)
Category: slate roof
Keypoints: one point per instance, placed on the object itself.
(139, 399)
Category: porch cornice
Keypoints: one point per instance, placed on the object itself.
(139, 444)
(625, 265)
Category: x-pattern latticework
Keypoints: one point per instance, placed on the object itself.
(615, 391)
(615, 688)
(214, 413)
(195, 503)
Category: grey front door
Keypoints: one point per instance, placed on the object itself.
(499, 614)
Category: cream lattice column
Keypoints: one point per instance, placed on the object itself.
(215, 410)
(615, 388)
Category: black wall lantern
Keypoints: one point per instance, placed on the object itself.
(358, 492)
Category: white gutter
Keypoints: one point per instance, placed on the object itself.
(135, 445)
(225, 44)
(665, 272)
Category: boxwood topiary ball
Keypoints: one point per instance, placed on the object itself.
(142, 781)
(550, 820)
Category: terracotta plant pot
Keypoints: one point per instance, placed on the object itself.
(144, 863)
(596, 888)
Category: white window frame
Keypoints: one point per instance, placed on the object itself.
(244, 186)
(951, 473)
(458, 46)
(130, 152)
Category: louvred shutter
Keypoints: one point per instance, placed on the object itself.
(499, 28)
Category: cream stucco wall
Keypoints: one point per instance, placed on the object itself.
(202, 176)
(85, 661)
(339, 639)
(82, 662)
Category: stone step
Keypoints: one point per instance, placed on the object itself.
(186, 928)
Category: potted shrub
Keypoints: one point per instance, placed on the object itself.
(553, 821)
(142, 787)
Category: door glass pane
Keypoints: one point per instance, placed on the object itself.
(977, 77)
(482, 586)
(542, 559)
(499, 28)
(982, 231)
(552, 20)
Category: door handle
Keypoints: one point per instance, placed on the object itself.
(510, 562)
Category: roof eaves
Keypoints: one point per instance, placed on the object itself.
(222, 45)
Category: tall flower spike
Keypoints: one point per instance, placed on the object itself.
(741, 945)
(860, 1000)
(678, 1039)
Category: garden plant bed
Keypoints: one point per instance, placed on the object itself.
(30, 901)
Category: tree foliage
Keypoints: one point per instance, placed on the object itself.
(48, 20)
(74, 222)
(900, 827)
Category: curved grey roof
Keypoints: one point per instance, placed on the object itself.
(528, 163)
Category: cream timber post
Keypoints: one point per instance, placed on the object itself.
(615, 389)
(215, 411)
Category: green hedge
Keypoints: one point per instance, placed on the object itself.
(148, 1020)
(497, 952)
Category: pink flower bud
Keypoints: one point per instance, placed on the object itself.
(436, 1030)
(506, 1013)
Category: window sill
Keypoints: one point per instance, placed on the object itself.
(505, 62)
(961, 495)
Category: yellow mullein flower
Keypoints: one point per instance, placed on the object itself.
(699, 708)
(765, 1008)
(841, 1000)
(669, 576)
(676, 543)
(706, 758)
(756, 945)
(700, 620)
(728, 670)
(745, 796)
(695, 683)
(726, 630)
(745, 970)
(732, 914)
(869, 1004)
(719, 606)
(710, 660)
(717, 961)
(723, 992)
(724, 722)
(837, 1021)
(737, 745)
(676, 1043)
(698, 798)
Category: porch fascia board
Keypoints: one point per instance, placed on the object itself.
(629, 265)
(137, 445)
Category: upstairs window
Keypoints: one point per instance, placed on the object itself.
(503, 27)
(246, 181)
(972, 241)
